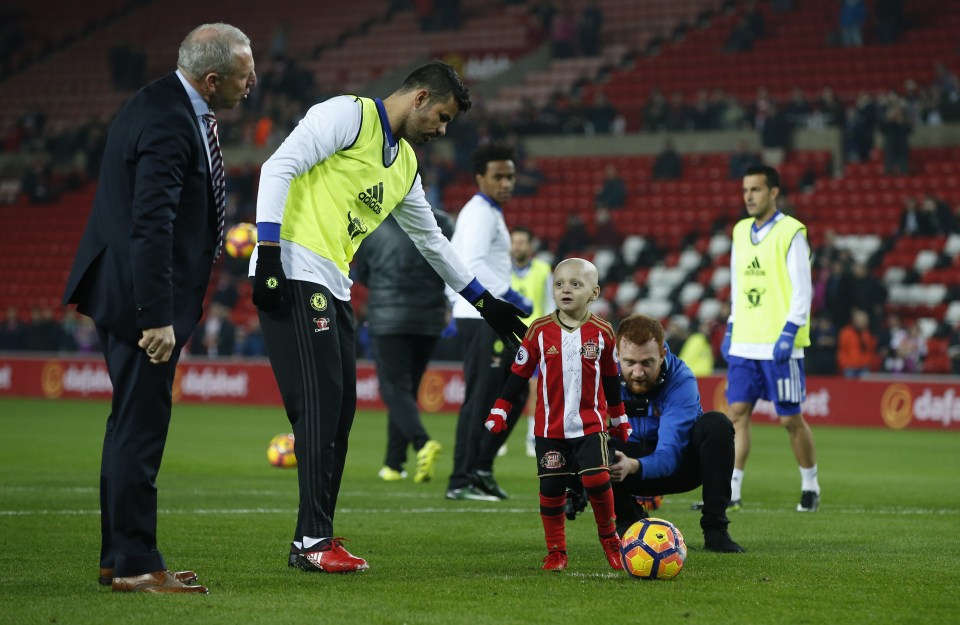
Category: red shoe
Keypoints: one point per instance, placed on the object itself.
(329, 556)
(555, 561)
(611, 549)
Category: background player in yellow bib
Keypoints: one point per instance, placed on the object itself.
(770, 297)
(532, 278)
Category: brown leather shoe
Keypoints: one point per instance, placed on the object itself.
(158, 581)
(185, 577)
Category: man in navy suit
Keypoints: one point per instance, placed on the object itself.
(141, 272)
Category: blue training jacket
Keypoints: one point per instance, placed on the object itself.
(665, 423)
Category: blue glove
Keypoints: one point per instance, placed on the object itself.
(450, 331)
(725, 344)
(518, 300)
(783, 348)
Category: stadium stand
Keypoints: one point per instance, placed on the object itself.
(675, 234)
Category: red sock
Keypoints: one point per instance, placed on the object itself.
(551, 513)
(600, 493)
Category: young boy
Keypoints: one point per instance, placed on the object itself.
(578, 369)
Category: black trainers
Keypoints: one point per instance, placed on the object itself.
(487, 483)
(292, 558)
(469, 492)
(809, 501)
(719, 540)
(732, 507)
(576, 503)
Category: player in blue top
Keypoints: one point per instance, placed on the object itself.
(674, 447)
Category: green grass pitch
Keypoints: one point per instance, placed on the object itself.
(884, 547)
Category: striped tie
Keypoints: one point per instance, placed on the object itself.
(219, 180)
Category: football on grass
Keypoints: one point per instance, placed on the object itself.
(653, 549)
(280, 451)
(240, 240)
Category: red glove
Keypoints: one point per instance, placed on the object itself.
(497, 421)
(619, 424)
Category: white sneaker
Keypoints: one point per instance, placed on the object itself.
(531, 448)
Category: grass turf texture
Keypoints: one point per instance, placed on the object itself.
(883, 548)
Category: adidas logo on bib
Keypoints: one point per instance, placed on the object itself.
(372, 197)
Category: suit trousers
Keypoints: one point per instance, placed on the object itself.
(707, 461)
(133, 444)
(311, 343)
(401, 361)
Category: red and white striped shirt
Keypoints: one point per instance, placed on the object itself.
(570, 399)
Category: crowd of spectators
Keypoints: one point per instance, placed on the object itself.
(62, 157)
(65, 156)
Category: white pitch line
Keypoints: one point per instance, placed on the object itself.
(472, 509)
(214, 511)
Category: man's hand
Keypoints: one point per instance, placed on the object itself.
(158, 343)
(518, 300)
(725, 345)
(623, 466)
(269, 281)
(619, 424)
(497, 421)
(783, 348)
(503, 317)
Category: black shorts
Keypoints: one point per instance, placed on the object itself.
(572, 456)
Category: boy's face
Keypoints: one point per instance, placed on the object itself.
(573, 289)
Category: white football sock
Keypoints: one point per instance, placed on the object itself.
(736, 480)
(809, 479)
(310, 542)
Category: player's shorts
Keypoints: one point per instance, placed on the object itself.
(571, 456)
(783, 384)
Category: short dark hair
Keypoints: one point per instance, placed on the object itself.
(523, 230)
(639, 329)
(441, 80)
(771, 174)
(490, 152)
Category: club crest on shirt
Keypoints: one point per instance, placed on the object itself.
(318, 302)
(522, 356)
(355, 226)
(590, 350)
(323, 324)
(754, 295)
(553, 460)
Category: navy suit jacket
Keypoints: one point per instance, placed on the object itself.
(145, 257)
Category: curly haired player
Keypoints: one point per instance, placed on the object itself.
(578, 371)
